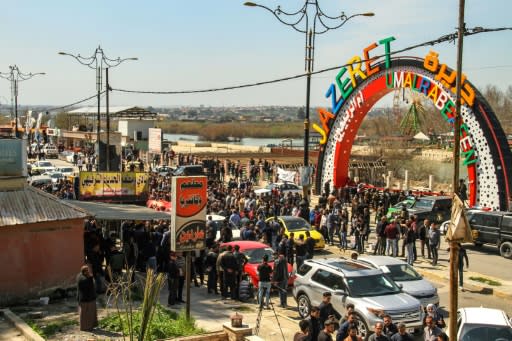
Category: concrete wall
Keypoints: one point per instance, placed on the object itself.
(39, 257)
(127, 127)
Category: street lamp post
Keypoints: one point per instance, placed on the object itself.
(320, 23)
(15, 76)
(98, 61)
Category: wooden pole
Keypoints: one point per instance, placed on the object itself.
(188, 269)
(454, 248)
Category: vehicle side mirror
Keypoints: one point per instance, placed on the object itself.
(400, 285)
(340, 292)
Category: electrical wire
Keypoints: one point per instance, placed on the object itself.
(445, 38)
(77, 102)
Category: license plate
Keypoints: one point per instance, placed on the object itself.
(410, 330)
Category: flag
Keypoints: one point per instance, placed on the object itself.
(458, 229)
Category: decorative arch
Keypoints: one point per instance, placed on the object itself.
(484, 147)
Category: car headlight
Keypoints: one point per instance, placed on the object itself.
(377, 312)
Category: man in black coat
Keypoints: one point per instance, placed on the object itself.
(326, 309)
(229, 267)
(173, 274)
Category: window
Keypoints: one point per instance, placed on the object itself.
(328, 279)
(506, 224)
(304, 269)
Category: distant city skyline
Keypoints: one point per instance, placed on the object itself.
(194, 45)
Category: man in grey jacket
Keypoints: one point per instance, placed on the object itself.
(434, 238)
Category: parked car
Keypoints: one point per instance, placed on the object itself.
(437, 209)
(163, 170)
(492, 227)
(50, 151)
(40, 167)
(372, 292)
(189, 170)
(66, 171)
(254, 252)
(405, 276)
(483, 324)
(299, 227)
(281, 187)
(221, 222)
(396, 209)
(39, 180)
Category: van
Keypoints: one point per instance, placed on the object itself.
(189, 170)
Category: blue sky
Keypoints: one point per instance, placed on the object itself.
(196, 44)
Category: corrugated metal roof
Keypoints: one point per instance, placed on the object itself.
(103, 110)
(31, 205)
(108, 211)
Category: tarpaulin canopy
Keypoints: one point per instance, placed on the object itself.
(108, 211)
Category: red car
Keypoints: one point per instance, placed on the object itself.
(254, 252)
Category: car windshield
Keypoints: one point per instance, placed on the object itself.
(66, 170)
(485, 332)
(375, 285)
(423, 203)
(255, 256)
(45, 164)
(297, 225)
(401, 272)
(408, 203)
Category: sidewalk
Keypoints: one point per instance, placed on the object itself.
(440, 273)
(211, 312)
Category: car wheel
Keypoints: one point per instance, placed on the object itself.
(304, 305)
(506, 250)
(362, 328)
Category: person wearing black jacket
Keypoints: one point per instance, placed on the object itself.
(310, 245)
(86, 299)
(280, 278)
(314, 322)
(229, 267)
(211, 270)
(173, 274)
(326, 309)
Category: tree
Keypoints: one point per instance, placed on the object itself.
(301, 114)
(62, 121)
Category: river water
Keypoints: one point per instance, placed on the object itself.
(441, 171)
(246, 141)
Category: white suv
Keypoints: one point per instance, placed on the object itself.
(483, 324)
(372, 292)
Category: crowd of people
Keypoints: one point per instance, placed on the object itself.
(324, 321)
(343, 216)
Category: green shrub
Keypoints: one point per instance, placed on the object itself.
(164, 324)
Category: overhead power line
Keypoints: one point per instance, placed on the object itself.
(445, 38)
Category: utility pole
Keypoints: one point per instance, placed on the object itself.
(300, 22)
(15, 76)
(454, 247)
(98, 61)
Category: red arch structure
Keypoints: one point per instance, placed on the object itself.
(484, 146)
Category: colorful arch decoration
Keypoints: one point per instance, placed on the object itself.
(358, 86)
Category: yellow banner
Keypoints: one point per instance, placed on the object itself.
(109, 184)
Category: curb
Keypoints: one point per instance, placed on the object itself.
(469, 284)
(24, 328)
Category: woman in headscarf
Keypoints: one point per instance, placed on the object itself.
(437, 317)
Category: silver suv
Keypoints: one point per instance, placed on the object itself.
(371, 291)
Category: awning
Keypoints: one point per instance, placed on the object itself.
(107, 211)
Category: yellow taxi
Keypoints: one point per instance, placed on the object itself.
(299, 227)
